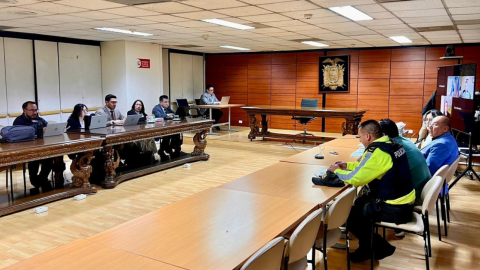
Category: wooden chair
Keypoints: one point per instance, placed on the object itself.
(301, 241)
(269, 257)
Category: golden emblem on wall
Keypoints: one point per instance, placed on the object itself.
(333, 73)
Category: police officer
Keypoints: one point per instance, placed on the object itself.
(390, 193)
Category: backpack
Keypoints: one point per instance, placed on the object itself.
(14, 134)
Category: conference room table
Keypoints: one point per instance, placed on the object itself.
(117, 135)
(51, 147)
(219, 106)
(352, 117)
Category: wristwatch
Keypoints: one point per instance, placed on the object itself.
(112, 122)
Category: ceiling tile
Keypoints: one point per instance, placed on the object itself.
(430, 24)
(169, 7)
(299, 28)
(95, 23)
(316, 14)
(90, 4)
(466, 10)
(208, 4)
(381, 22)
(466, 17)
(266, 18)
(370, 8)
(66, 18)
(53, 8)
(21, 12)
(96, 15)
(381, 15)
(339, 3)
(289, 6)
(131, 21)
(285, 23)
(389, 27)
(323, 20)
(467, 27)
(16, 24)
(192, 24)
(421, 13)
(244, 11)
(36, 21)
(259, 2)
(18, 3)
(201, 15)
(164, 18)
(74, 26)
(462, 3)
(131, 12)
(414, 5)
(427, 19)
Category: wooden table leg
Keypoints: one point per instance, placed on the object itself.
(81, 169)
(58, 169)
(254, 129)
(110, 166)
(264, 124)
(351, 126)
(200, 141)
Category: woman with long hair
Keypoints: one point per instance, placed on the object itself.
(425, 137)
(79, 117)
(138, 108)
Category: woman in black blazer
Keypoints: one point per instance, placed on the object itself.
(79, 118)
(138, 108)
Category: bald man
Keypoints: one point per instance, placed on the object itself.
(443, 150)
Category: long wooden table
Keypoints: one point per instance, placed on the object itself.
(308, 157)
(218, 106)
(214, 229)
(350, 126)
(51, 147)
(86, 255)
(116, 135)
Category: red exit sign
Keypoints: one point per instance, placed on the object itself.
(143, 63)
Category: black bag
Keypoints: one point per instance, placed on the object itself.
(14, 134)
(329, 179)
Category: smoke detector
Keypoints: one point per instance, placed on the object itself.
(307, 16)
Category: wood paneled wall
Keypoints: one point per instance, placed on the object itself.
(390, 83)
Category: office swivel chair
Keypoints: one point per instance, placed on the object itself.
(304, 120)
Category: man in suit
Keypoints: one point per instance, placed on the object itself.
(171, 144)
(209, 98)
(114, 115)
(30, 117)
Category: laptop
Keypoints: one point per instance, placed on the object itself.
(98, 121)
(130, 120)
(182, 102)
(55, 129)
(224, 100)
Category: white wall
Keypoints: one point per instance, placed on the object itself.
(19, 73)
(166, 72)
(80, 75)
(122, 77)
(3, 88)
(48, 85)
(186, 76)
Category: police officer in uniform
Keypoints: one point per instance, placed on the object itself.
(390, 194)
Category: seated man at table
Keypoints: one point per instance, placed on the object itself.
(209, 98)
(30, 118)
(171, 144)
(443, 150)
(110, 109)
(418, 165)
(390, 194)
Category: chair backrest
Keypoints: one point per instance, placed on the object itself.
(452, 169)
(432, 195)
(442, 172)
(338, 212)
(304, 236)
(197, 101)
(269, 257)
(310, 103)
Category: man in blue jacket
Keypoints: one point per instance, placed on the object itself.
(30, 117)
(443, 150)
(171, 144)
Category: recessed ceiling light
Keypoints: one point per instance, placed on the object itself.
(351, 13)
(314, 43)
(235, 48)
(401, 39)
(121, 31)
(228, 24)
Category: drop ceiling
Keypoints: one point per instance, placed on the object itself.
(177, 24)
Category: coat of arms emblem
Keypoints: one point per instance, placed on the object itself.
(334, 74)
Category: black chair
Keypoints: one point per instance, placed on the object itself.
(182, 108)
(304, 120)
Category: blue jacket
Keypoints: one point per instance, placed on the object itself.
(443, 150)
(159, 112)
(38, 123)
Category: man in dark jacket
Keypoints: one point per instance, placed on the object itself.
(30, 118)
(171, 144)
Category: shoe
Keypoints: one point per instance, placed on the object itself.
(47, 187)
(385, 251)
(399, 233)
(217, 128)
(34, 191)
(360, 256)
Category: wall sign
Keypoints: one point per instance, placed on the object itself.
(334, 77)
(143, 63)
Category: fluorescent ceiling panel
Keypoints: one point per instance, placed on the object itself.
(229, 24)
(314, 43)
(401, 39)
(351, 13)
(235, 48)
(122, 31)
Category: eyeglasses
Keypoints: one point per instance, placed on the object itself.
(32, 111)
